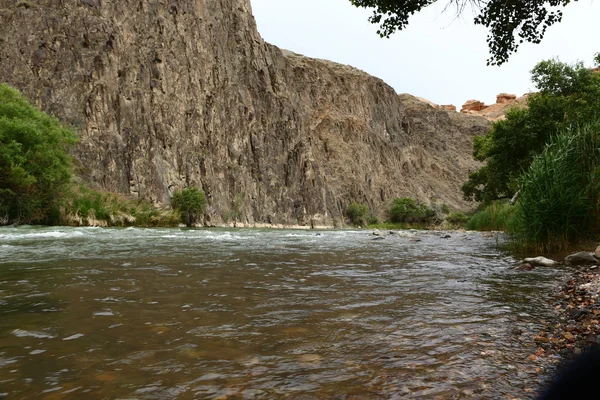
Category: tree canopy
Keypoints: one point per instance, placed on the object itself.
(568, 95)
(35, 165)
(510, 23)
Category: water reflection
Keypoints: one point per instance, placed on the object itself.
(169, 313)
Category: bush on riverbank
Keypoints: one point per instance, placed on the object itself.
(357, 213)
(407, 210)
(35, 165)
(190, 202)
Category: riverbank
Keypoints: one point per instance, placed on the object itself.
(576, 326)
(578, 316)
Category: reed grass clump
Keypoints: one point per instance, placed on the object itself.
(495, 216)
(559, 192)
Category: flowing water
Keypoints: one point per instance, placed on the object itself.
(199, 314)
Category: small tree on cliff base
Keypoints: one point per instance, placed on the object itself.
(509, 22)
(357, 213)
(191, 203)
(35, 165)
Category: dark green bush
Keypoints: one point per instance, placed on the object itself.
(190, 202)
(407, 210)
(357, 213)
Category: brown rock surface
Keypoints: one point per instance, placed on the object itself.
(449, 107)
(504, 103)
(169, 94)
(504, 98)
(472, 106)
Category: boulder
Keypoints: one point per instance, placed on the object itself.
(449, 107)
(472, 106)
(540, 261)
(504, 98)
(597, 252)
(581, 258)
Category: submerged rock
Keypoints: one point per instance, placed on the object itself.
(581, 258)
(540, 261)
(525, 267)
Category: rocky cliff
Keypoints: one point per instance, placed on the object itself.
(166, 94)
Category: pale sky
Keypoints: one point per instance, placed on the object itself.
(439, 57)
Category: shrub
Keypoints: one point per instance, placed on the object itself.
(560, 191)
(35, 165)
(357, 213)
(407, 210)
(190, 202)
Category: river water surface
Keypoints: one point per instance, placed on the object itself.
(199, 314)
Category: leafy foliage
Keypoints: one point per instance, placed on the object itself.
(509, 23)
(190, 202)
(407, 210)
(560, 191)
(35, 165)
(357, 213)
(568, 94)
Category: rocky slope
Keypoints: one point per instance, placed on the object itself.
(166, 94)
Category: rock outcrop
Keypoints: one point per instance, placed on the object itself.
(505, 98)
(472, 106)
(177, 93)
(494, 112)
(449, 107)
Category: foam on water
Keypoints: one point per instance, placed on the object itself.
(39, 335)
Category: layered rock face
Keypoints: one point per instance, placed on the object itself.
(166, 94)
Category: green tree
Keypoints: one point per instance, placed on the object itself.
(191, 203)
(568, 94)
(35, 165)
(510, 23)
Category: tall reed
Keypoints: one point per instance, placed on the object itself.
(559, 192)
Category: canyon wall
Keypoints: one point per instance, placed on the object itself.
(166, 94)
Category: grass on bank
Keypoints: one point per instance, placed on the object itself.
(87, 207)
(496, 216)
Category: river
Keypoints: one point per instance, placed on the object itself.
(137, 313)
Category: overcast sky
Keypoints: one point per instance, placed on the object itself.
(439, 57)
